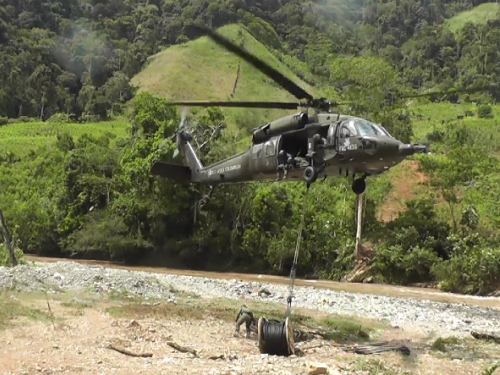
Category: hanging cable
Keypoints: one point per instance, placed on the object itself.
(296, 256)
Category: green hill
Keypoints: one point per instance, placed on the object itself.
(202, 70)
(479, 14)
(434, 116)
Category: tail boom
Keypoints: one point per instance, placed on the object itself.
(174, 172)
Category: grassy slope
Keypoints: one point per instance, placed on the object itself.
(480, 14)
(22, 137)
(202, 70)
(405, 177)
(434, 114)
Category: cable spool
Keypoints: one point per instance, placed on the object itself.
(275, 337)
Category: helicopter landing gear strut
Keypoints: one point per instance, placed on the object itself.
(316, 165)
(359, 185)
(310, 174)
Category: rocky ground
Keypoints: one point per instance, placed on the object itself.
(440, 318)
(89, 308)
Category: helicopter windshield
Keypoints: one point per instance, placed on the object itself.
(348, 129)
(367, 128)
(382, 129)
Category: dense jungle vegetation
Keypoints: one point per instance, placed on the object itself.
(77, 138)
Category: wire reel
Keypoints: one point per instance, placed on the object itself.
(275, 337)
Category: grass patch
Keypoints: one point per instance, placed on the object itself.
(464, 349)
(12, 309)
(347, 329)
(429, 117)
(480, 14)
(491, 370)
(20, 138)
(124, 295)
(77, 307)
(344, 327)
(441, 343)
(377, 367)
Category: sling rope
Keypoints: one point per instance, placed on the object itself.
(277, 337)
(296, 256)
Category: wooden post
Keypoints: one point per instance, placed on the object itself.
(7, 240)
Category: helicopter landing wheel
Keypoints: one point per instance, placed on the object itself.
(358, 186)
(310, 175)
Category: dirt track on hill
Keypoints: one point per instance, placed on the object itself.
(376, 289)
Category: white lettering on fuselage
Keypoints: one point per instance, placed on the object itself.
(347, 146)
(225, 169)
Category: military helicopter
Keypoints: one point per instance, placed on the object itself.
(303, 146)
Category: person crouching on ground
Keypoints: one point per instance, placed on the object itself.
(244, 316)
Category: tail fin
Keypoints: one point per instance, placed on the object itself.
(188, 154)
(176, 172)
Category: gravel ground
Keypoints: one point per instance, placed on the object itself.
(441, 318)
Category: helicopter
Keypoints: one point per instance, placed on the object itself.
(302, 146)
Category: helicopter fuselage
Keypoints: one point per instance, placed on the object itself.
(311, 146)
(348, 146)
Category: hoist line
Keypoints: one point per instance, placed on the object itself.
(296, 256)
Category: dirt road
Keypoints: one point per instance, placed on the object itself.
(376, 289)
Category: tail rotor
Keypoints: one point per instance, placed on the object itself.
(181, 132)
(181, 129)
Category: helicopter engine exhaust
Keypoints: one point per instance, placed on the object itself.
(283, 125)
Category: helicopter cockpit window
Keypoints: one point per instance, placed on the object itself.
(386, 132)
(367, 128)
(269, 148)
(348, 129)
(257, 151)
(381, 130)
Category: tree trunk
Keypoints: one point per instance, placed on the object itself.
(452, 211)
(43, 107)
(7, 239)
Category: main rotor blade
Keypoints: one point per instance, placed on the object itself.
(271, 105)
(272, 73)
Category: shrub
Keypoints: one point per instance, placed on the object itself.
(400, 266)
(5, 258)
(24, 119)
(474, 268)
(485, 111)
(59, 118)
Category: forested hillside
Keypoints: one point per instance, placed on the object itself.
(84, 87)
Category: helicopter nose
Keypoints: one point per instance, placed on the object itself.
(381, 145)
(370, 143)
(388, 144)
(410, 149)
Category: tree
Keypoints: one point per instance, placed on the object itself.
(462, 165)
(370, 84)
